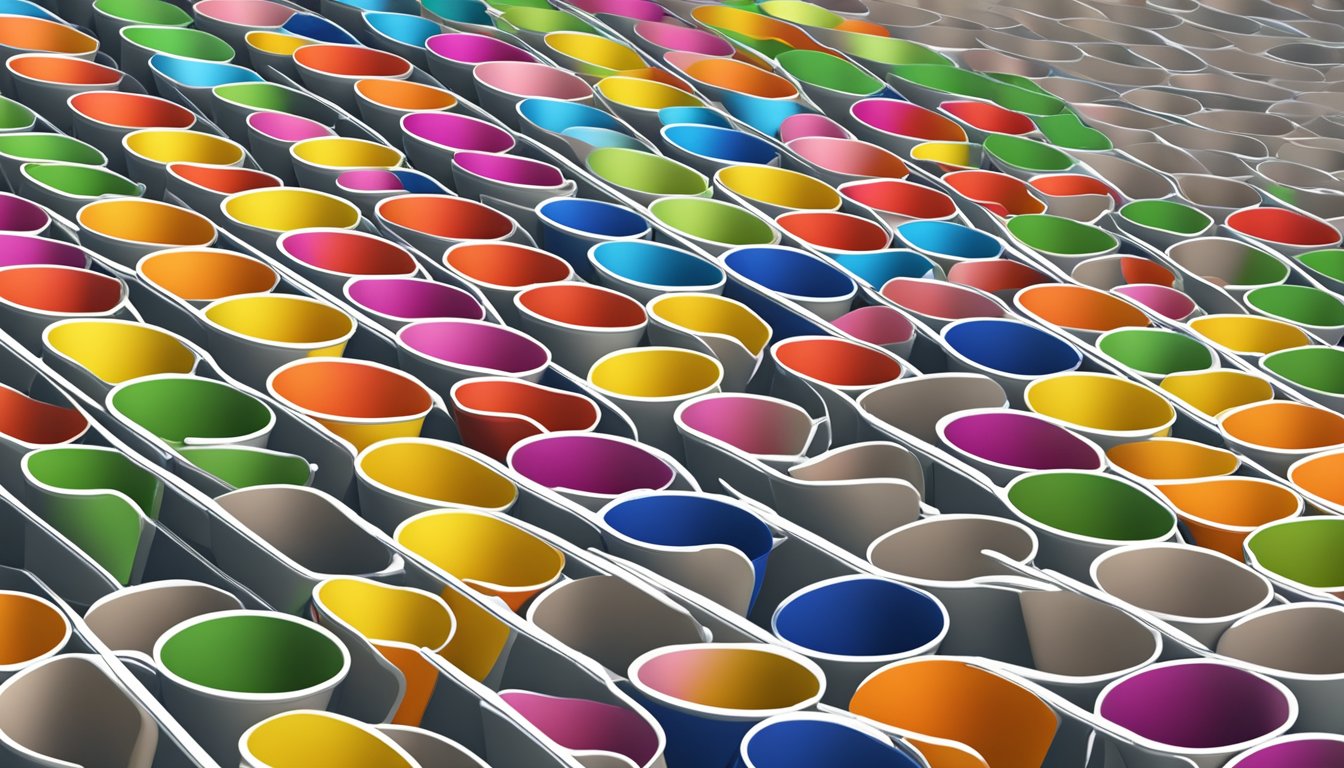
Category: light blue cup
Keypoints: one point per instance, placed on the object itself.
(645, 270)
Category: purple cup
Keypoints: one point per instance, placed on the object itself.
(22, 217)
(454, 55)
(1004, 443)
(1303, 750)
(1197, 709)
(397, 301)
(432, 139)
(590, 469)
(23, 250)
(443, 352)
(508, 169)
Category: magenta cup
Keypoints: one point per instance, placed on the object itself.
(454, 55)
(901, 125)
(590, 469)
(659, 37)
(1005, 443)
(433, 138)
(1202, 710)
(22, 217)
(1297, 751)
(1160, 299)
(443, 352)
(271, 134)
(590, 730)
(22, 250)
(520, 183)
(395, 302)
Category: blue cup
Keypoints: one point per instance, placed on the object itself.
(853, 626)
(708, 148)
(1012, 352)
(318, 29)
(809, 739)
(765, 115)
(947, 243)
(795, 275)
(570, 226)
(707, 543)
(877, 267)
(645, 270)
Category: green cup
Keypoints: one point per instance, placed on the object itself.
(1064, 242)
(98, 499)
(1025, 158)
(185, 411)
(931, 84)
(832, 83)
(645, 177)
(714, 225)
(1301, 554)
(1317, 372)
(1156, 353)
(65, 187)
(534, 24)
(15, 117)
(1079, 515)
(1162, 223)
(223, 672)
(140, 43)
(1067, 131)
(111, 16)
(1311, 309)
(1326, 266)
(244, 467)
(885, 52)
(19, 148)
(232, 103)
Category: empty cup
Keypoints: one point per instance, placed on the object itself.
(1277, 434)
(332, 257)
(1171, 458)
(140, 43)
(319, 161)
(443, 352)
(199, 276)
(16, 149)
(126, 229)
(104, 118)
(290, 739)
(795, 275)
(580, 323)
(34, 297)
(66, 187)
(113, 351)
(331, 70)
(1195, 709)
(590, 469)
(358, 401)
(705, 322)
(501, 270)
(1011, 352)
(493, 414)
(395, 302)
(1311, 309)
(1106, 408)
(433, 223)
(1004, 443)
(433, 138)
(44, 82)
(1155, 353)
(649, 383)
(402, 477)
(217, 686)
(489, 554)
(707, 696)
(714, 226)
(260, 216)
(1079, 310)
(1221, 512)
(645, 271)
(1073, 532)
(1201, 593)
(251, 335)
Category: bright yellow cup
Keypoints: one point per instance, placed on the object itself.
(304, 738)
(489, 554)
(1248, 334)
(119, 350)
(1212, 392)
(398, 622)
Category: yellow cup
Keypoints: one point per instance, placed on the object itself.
(1249, 335)
(588, 54)
(252, 335)
(402, 477)
(777, 190)
(305, 737)
(1106, 408)
(119, 350)
(492, 556)
(397, 622)
(262, 215)
(1212, 392)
